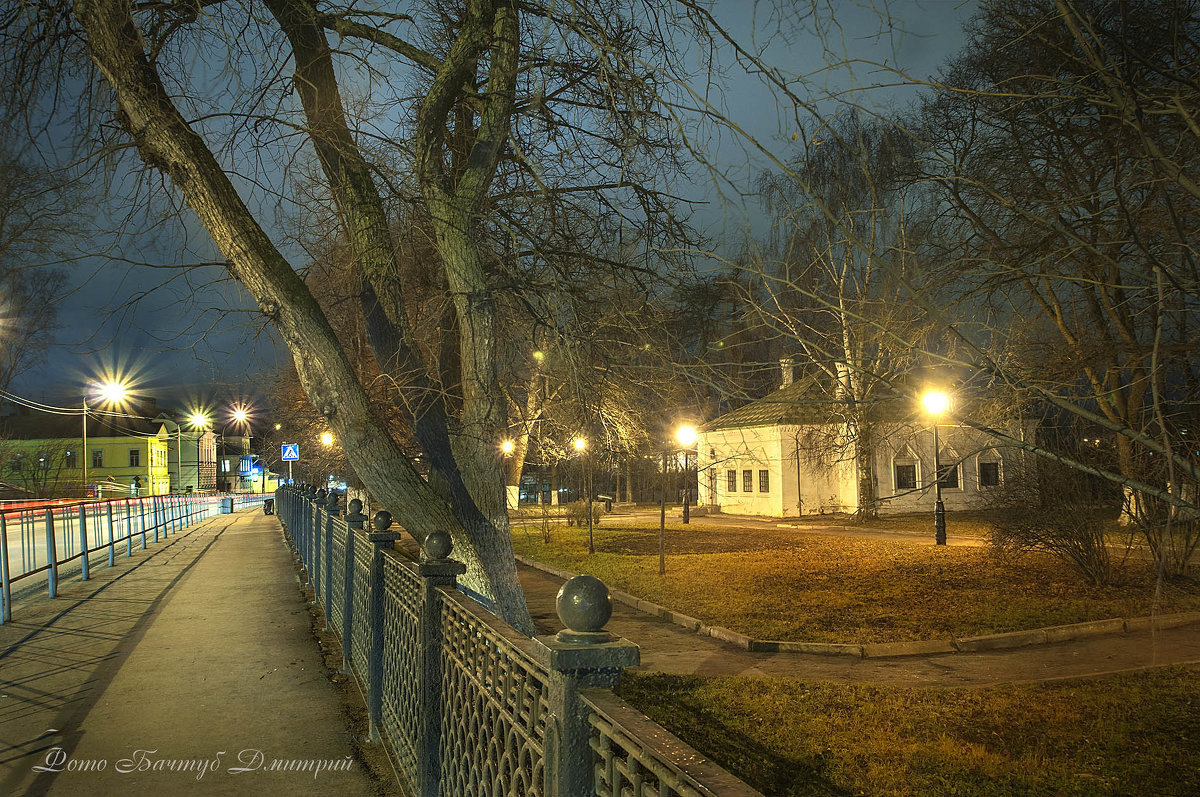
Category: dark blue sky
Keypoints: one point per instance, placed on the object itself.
(192, 336)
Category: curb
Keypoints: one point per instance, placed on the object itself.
(921, 647)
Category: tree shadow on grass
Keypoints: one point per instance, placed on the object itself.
(670, 701)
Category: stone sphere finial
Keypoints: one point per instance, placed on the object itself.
(382, 520)
(320, 496)
(437, 545)
(355, 506)
(584, 605)
(331, 499)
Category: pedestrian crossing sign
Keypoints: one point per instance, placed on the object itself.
(291, 452)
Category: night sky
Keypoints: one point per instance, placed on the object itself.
(189, 336)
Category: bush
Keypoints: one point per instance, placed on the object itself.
(577, 512)
(1060, 511)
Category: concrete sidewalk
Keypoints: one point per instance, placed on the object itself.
(670, 648)
(188, 669)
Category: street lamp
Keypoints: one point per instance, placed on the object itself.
(686, 437)
(239, 417)
(198, 421)
(581, 445)
(936, 403)
(110, 392)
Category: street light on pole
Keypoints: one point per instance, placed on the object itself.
(581, 445)
(239, 417)
(111, 392)
(199, 421)
(937, 403)
(686, 437)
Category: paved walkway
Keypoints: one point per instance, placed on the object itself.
(667, 647)
(198, 653)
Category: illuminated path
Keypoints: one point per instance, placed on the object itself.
(199, 649)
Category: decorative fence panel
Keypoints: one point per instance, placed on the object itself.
(465, 704)
(401, 662)
(495, 706)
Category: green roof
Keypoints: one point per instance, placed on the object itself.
(802, 402)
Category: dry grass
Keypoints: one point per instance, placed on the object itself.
(1135, 734)
(791, 585)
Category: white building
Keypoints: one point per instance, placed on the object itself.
(781, 456)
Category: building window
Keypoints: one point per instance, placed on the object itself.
(905, 475)
(135, 457)
(747, 481)
(731, 480)
(989, 474)
(70, 460)
(764, 481)
(948, 477)
(43, 461)
(18, 461)
(98, 458)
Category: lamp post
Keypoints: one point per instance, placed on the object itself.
(937, 403)
(686, 436)
(110, 392)
(239, 417)
(580, 445)
(199, 422)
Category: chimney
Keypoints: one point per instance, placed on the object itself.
(787, 367)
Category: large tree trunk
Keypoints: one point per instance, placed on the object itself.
(166, 142)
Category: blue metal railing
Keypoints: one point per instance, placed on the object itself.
(38, 544)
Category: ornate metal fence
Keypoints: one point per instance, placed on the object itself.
(464, 703)
(40, 545)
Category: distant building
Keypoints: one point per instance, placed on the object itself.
(791, 454)
(43, 455)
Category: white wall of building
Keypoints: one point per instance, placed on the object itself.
(832, 486)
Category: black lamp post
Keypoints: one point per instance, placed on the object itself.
(936, 403)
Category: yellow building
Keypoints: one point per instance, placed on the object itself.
(44, 456)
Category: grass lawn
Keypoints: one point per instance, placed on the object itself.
(1134, 734)
(792, 585)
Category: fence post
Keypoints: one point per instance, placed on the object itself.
(5, 587)
(128, 530)
(581, 657)
(380, 538)
(142, 515)
(436, 571)
(51, 556)
(112, 551)
(331, 511)
(354, 522)
(85, 567)
(317, 574)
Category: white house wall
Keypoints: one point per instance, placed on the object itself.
(821, 490)
(825, 489)
(966, 447)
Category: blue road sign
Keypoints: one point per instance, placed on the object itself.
(291, 452)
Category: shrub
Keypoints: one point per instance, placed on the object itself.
(1058, 510)
(577, 512)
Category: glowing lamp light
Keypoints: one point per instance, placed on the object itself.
(113, 392)
(198, 420)
(935, 402)
(686, 435)
(240, 415)
(579, 443)
(326, 438)
(507, 446)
